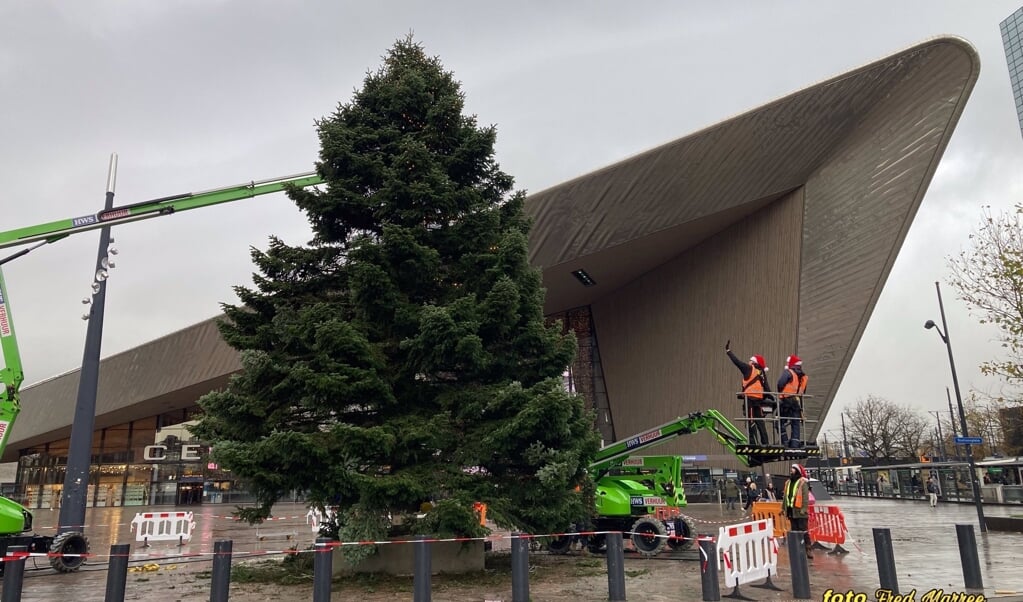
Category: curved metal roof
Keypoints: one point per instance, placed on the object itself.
(863, 145)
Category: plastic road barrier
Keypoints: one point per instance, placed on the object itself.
(827, 525)
(771, 510)
(748, 552)
(163, 526)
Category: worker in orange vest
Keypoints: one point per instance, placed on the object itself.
(756, 394)
(791, 387)
(796, 504)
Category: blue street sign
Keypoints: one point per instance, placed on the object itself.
(969, 440)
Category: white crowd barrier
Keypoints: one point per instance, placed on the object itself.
(163, 526)
(315, 517)
(748, 552)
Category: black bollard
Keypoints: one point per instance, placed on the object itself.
(520, 568)
(798, 565)
(423, 571)
(117, 572)
(220, 584)
(323, 566)
(968, 556)
(14, 573)
(615, 567)
(887, 576)
(709, 570)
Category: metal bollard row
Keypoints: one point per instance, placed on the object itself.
(15, 556)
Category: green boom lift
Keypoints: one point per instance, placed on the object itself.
(15, 519)
(630, 489)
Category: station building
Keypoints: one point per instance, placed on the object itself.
(776, 228)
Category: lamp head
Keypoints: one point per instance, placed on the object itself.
(929, 324)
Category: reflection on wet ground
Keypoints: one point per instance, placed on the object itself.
(924, 542)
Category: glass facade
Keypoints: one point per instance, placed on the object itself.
(153, 460)
(1012, 40)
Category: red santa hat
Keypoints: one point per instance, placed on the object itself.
(759, 361)
(793, 361)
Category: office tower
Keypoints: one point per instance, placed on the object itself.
(1012, 39)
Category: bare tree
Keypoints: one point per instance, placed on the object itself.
(985, 419)
(887, 431)
(910, 432)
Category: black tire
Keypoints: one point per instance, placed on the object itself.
(559, 545)
(596, 544)
(688, 531)
(648, 536)
(71, 542)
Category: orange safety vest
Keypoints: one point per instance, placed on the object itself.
(795, 386)
(794, 493)
(753, 386)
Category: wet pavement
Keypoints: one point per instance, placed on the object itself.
(164, 570)
(924, 542)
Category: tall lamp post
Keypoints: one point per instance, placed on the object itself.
(962, 413)
(845, 440)
(940, 447)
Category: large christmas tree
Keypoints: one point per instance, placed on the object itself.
(402, 356)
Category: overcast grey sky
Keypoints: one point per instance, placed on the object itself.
(197, 94)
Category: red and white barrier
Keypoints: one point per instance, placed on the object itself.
(163, 526)
(827, 525)
(748, 552)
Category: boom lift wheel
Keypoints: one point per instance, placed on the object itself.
(648, 536)
(559, 545)
(596, 544)
(71, 542)
(685, 528)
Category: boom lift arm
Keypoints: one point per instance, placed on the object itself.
(711, 420)
(52, 231)
(12, 375)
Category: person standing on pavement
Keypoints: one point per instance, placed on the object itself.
(933, 491)
(795, 504)
(731, 494)
(755, 393)
(768, 494)
(752, 493)
(791, 387)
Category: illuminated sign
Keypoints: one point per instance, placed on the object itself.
(158, 453)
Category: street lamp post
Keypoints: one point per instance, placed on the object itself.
(962, 413)
(845, 440)
(952, 421)
(941, 439)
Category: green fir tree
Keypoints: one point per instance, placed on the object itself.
(402, 357)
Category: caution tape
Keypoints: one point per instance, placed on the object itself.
(319, 546)
(714, 522)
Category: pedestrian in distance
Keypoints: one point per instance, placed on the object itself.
(795, 504)
(933, 490)
(791, 388)
(756, 394)
(768, 494)
(731, 494)
(752, 493)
